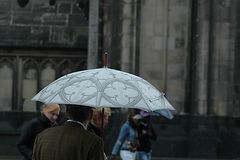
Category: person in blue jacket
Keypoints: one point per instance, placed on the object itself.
(127, 141)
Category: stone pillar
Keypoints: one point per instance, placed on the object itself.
(164, 47)
(93, 34)
(112, 26)
(222, 61)
(128, 38)
(236, 80)
(214, 59)
(200, 63)
(212, 75)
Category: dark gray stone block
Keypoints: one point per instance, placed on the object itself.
(64, 8)
(23, 19)
(5, 6)
(77, 20)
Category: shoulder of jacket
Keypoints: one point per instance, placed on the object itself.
(32, 122)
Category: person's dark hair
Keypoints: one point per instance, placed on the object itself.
(131, 113)
(78, 112)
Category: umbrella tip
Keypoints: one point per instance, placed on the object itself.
(105, 59)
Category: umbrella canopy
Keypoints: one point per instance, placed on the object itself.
(105, 87)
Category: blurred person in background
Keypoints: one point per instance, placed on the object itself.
(47, 119)
(95, 125)
(99, 122)
(127, 141)
(146, 134)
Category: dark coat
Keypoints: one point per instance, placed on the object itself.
(70, 141)
(29, 133)
(95, 130)
(99, 132)
(146, 134)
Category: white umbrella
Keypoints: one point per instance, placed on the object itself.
(105, 87)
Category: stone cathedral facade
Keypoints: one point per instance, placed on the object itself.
(188, 49)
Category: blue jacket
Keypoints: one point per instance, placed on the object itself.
(127, 135)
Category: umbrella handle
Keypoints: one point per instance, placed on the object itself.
(102, 127)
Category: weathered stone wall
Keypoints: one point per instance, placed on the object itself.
(186, 49)
(40, 24)
(236, 43)
(224, 59)
(164, 47)
(189, 50)
(153, 42)
(214, 55)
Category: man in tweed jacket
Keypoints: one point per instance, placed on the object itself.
(71, 140)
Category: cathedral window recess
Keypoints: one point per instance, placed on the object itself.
(6, 84)
(23, 3)
(22, 77)
(83, 5)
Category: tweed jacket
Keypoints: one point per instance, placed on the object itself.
(70, 141)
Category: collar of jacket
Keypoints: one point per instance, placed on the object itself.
(77, 122)
(45, 120)
(95, 130)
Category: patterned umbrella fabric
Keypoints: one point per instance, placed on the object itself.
(105, 87)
